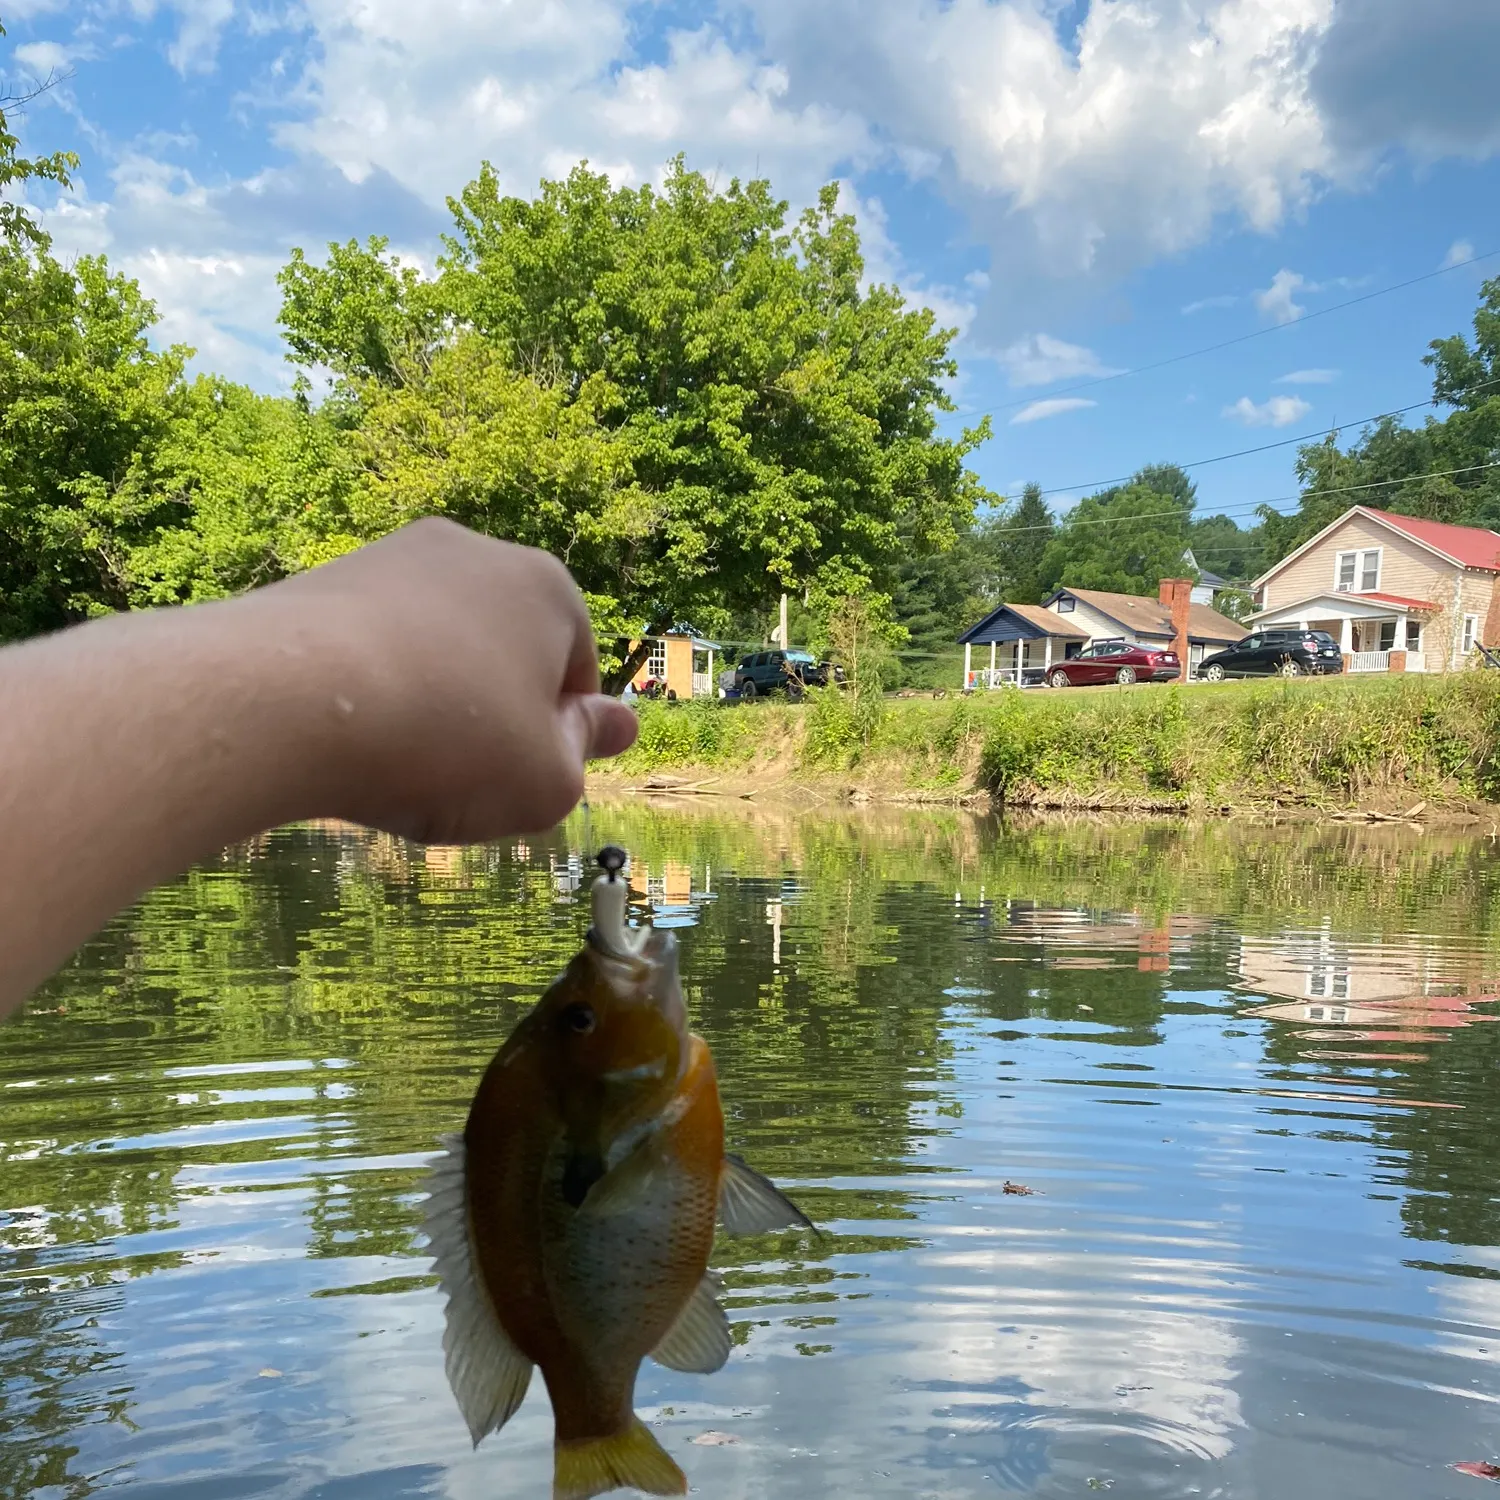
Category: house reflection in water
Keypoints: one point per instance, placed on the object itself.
(1380, 991)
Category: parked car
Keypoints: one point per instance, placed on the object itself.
(1293, 653)
(1115, 661)
(790, 672)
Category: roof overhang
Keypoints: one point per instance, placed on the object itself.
(1343, 606)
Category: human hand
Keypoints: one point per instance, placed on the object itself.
(454, 685)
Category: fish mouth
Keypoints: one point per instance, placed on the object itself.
(641, 963)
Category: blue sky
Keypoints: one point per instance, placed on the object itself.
(1081, 186)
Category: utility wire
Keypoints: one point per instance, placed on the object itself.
(1244, 338)
(1306, 437)
(1187, 510)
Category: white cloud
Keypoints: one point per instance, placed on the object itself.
(1203, 303)
(1276, 301)
(1308, 377)
(885, 264)
(1040, 359)
(43, 59)
(1278, 411)
(1038, 411)
(196, 47)
(1458, 252)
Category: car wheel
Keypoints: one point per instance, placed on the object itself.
(1125, 675)
(1214, 672)
(748, 688)
(795, 690)
(1059, 679)
(1289, 668)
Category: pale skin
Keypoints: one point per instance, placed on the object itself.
(436, 684)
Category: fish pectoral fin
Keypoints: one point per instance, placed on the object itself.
(698, 1342)
(752, 1204)
(488, 1374)
(618, 1188)
(632, 1459)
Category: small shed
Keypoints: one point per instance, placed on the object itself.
(1024, 641)
(681, 660)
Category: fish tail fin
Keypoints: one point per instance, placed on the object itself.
(631, 1459)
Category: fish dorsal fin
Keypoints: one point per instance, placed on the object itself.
(489, 1375)
(752, 1204)
(698, 1342)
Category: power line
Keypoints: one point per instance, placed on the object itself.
(1244, 338)
(1188, 510)
(1306, 437)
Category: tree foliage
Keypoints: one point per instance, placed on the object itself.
(692, 406)
(1124, 540)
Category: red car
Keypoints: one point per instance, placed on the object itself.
(1114, 661)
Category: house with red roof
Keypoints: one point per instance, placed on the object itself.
(1399, 594)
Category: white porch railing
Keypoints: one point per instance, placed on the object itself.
(1369, 661)
(703, 685)
(998, 677)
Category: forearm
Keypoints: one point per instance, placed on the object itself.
(129, 748)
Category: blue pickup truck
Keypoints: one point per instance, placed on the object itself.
(762, 673)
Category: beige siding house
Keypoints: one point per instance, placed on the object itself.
(1397, 593)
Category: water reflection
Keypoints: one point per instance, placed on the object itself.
(1243, 1073)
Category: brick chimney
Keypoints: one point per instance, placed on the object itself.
(1177, 595)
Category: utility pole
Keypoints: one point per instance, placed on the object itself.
(786, 644)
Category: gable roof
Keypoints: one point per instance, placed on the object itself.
(1020, 622)
(1464, 546)
(1151, 617)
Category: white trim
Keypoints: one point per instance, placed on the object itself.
(1380, 518)
(1468, 635)
(1357, 584)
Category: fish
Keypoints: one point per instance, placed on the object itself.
(572, 1221)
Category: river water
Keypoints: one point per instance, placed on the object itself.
(1248, 1076)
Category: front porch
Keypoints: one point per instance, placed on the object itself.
(1023, 642)
(1376, 633)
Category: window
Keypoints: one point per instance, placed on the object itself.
(1361, 566)
(1413, 635)
(1066, 605)
(1471, 631)
(1387, 635)
(656, 663)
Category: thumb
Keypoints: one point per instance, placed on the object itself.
(595, 726)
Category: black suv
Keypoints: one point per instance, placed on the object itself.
(1292, 653)
(789, 672)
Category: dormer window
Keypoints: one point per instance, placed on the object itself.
(1065, 604)
(1359, 571)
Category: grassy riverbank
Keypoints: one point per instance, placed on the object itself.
(1346, 742)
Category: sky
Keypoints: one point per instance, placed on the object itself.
(1082, 188)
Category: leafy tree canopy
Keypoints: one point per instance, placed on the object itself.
(692, 406)
(1125, 539)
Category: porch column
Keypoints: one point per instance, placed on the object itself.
(968, 663)
(713, 683)
(992, 663)
(1346, 637)
(1046, 655)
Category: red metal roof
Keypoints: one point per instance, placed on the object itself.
(1471, 545)
(1400, 599)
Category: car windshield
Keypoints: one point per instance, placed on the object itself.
(800, 657)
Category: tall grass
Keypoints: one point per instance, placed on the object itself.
(1301, 741)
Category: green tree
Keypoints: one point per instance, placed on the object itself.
(85, 403)
(714, 410)
(1124, 541)
(1013, 542)
(18, 226)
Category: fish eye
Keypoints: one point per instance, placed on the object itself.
(579, 1019)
